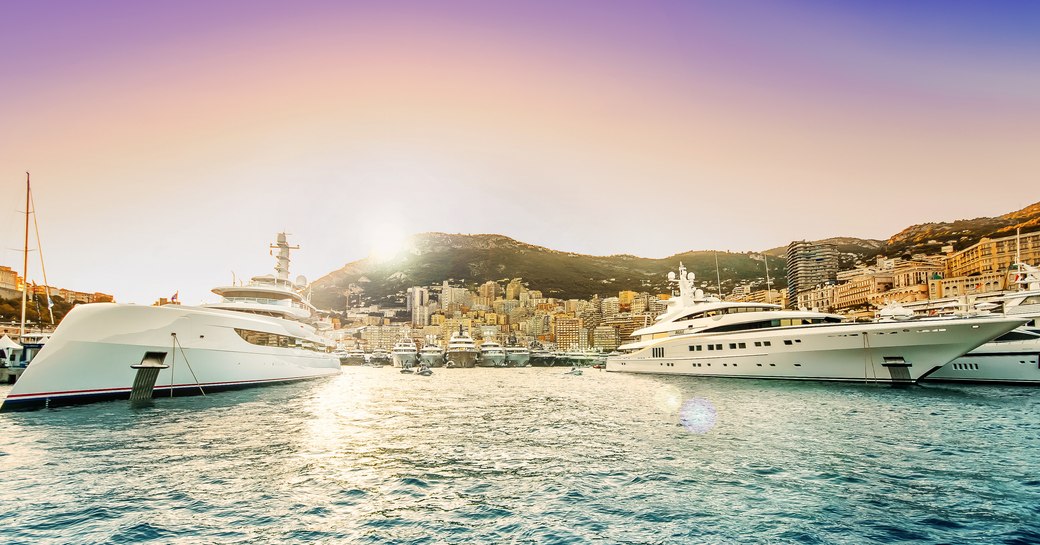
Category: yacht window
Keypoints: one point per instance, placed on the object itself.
(732, 346)
(742, 345)
(261, 338)
(767, 343)
(788, 342)
(758, 343)
(711, 347)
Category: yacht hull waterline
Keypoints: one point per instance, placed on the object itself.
(89, 356)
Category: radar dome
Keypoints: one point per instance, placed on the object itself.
(301, 280)
(671, 276)
(690, 276)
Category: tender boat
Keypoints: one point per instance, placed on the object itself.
(259, 333)
(703, 336)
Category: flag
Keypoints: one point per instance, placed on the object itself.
(174, 297)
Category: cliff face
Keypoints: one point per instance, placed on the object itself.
(471, 260)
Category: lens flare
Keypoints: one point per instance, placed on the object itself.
(697, 415)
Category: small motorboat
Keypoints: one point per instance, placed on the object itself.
(574, 371)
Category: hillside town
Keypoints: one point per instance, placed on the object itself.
(515, 313)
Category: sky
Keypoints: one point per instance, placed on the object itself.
(168, 142)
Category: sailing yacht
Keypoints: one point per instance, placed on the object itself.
(404, 353)
(259, 333)
(462, 351)
(704, 336)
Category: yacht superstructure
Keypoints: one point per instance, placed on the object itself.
(259, 333)
(699, 335)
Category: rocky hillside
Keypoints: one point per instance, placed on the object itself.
(930, 237)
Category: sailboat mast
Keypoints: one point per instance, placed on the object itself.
(43, 268)
(718, 275)
(25, 260)
(769, 296)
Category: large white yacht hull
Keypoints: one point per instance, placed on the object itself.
(461, 358)
(886, 352)
(405, 359)
(492, 360)
(1006, 362)
(432, 359)
(517, 358)
(89, 356)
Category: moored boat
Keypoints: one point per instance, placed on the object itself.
(462, 351)
(704, 336)
(492, 355)
(259, 333)
(404, 353)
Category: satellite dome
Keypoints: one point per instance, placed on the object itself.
(301, 280)
(671, 276)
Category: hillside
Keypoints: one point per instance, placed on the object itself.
(471, 260)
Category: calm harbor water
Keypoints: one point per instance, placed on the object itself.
(530, 456)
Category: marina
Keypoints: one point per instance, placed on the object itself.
(575, 273)
(367, 456)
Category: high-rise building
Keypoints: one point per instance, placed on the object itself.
(490, 290)
(513, 289)
(809, 265)
(567, 332)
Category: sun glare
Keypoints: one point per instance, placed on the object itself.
(386, 243)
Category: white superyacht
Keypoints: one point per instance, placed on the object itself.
(703, 336)
(492, 355)
(432, 355)
(404, 353)
(462, 351)
(518, 356)
(259, 333)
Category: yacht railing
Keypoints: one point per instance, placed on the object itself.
(266, 301)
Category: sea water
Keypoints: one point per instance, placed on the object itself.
(530, 455)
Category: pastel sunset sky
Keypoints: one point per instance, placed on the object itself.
(169, 141)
